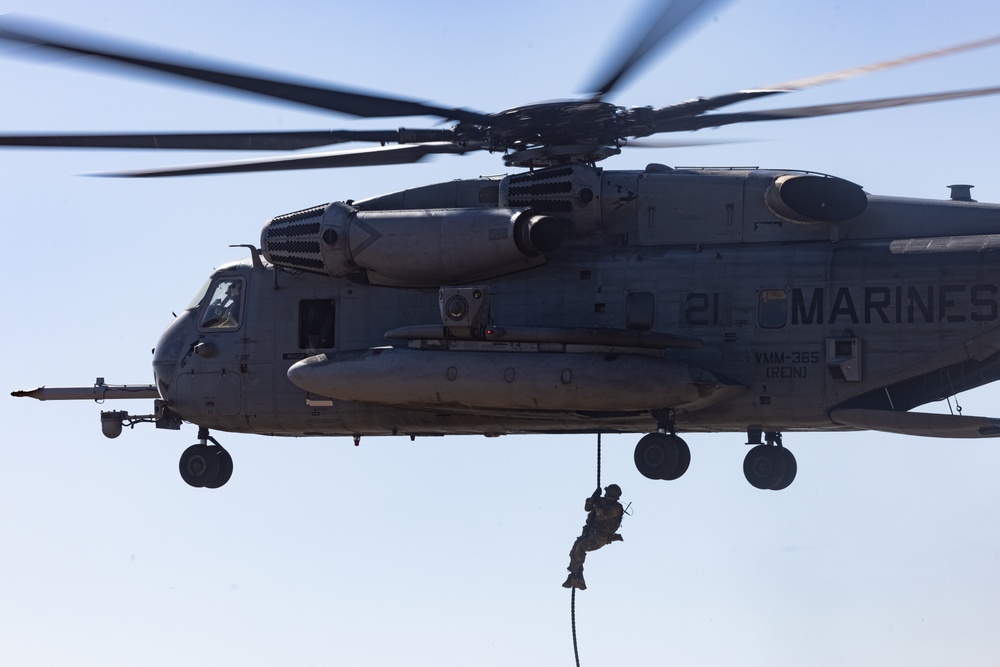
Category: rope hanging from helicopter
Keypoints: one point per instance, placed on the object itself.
(572, 598)
(604, 516)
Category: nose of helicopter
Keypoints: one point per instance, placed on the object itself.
(169, 350)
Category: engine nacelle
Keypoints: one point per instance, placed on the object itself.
(571, 193)
(417, 248)
(812, 198)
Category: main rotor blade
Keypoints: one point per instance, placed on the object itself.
(52, 37)
(649, 142)
(851, 72)
(251, 141)
(718, 120)
(664, 23)
(368, 157)
(703, 104)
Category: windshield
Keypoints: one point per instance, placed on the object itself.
(196, 301)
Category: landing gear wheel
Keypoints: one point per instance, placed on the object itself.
(662, 456)
(225, 461)
(683, 458)
(765, 466)
(200, 465)
(791, 467)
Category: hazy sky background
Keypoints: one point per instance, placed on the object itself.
(885, 550)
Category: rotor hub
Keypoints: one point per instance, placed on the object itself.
(551, 156)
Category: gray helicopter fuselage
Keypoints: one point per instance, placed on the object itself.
(807, 301)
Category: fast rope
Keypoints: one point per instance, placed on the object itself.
(572, 619)
(598, 460)
(572, 597)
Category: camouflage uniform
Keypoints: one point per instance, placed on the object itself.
(604, 518)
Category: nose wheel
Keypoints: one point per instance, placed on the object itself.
(206, 466)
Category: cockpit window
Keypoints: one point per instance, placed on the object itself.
(196, 301)
(224, 309)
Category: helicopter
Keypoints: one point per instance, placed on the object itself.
(566, 298)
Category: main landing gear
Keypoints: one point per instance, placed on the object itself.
(767, 466)
(206, 466)
(662, 456)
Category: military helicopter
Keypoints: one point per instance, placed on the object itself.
(564, 297)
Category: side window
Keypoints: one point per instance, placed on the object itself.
(772, 308)
(224, 309)
(639, 311)
(317, 323)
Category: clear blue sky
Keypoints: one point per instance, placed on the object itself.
(885, 551)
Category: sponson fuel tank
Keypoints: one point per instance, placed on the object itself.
(508, 380)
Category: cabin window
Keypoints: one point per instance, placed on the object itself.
(317, 324)
(639, 311)
(224, 309)
(772, 308)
